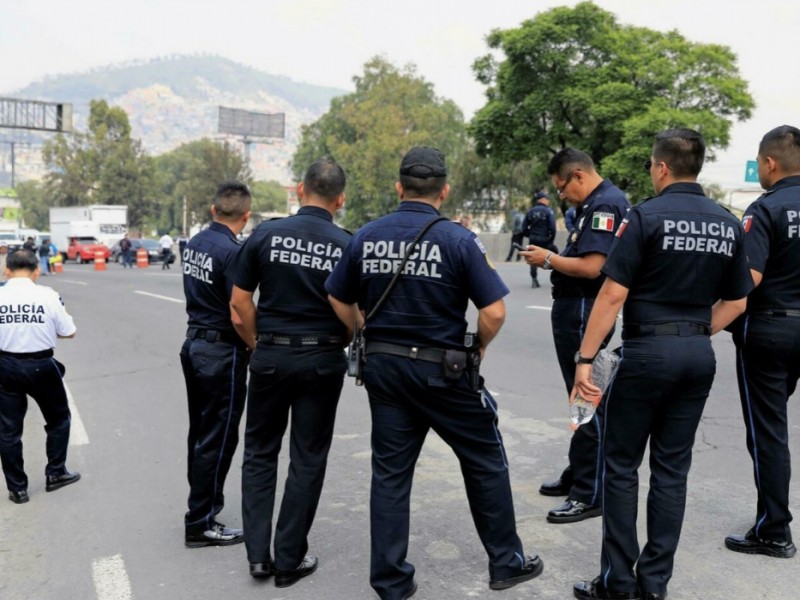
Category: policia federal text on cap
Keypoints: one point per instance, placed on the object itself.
(31, 318)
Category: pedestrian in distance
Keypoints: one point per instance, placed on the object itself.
(576, 277)
(416, 371)
(3, 259)
(125, 251)
(679, 269)
(182, 240)
(44, 256)
(516, 233)
(214, 362)
(165, 243)
(539, 226)
(768, 340)
(32, 317)
(297, 368)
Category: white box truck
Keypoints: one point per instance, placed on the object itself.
(105, 222)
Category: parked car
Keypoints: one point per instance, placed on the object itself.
(153, 251)
(82, 249)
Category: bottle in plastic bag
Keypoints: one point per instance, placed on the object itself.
(581, 410)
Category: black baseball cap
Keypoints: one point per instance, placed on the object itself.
(423, 163)
(540, 195)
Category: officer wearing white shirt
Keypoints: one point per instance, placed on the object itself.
(31, 318)
(165, 243)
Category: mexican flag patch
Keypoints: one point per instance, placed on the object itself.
(603, 221)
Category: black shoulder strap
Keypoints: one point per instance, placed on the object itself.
(399, 270)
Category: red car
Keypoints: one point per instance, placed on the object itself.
(82, 249)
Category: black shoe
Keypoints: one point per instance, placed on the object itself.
(286, 578)
(557, 487)
(262, 570)
(19, 496)
(750, 543)
(572, 511)
(533, 568)
(535, 283)
(54, 482)
(411, 591)
(589, 590)
(654, 596)
(216, 535)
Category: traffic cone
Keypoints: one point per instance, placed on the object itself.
(142, 262)
(99, 260)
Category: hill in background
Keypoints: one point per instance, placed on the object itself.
(175, 100)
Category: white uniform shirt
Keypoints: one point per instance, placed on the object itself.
(31, 317)
(165, 242)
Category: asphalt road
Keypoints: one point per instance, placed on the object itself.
(118, 533)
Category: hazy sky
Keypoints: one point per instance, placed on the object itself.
(327, 42)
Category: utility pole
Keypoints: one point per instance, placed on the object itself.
(184, 230)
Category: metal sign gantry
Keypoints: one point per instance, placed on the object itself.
(36, 115)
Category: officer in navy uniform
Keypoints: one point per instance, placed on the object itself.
(768, 340)
(414, 372)
(539, 226)
(679, 268)
(298, 366)
(576, 279)
(214, 361)
(32, 317)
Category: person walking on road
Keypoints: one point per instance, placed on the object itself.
(32, 317)
(539, 226)
(768, 340)
(679, 270)
(214, 363)
(415, 371)
(165, 243)
(297, 368)
(125, 250)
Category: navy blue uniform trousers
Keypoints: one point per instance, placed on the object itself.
(216, 387)
(768, 366)
(657, 395)
(305, 383)
(407, 398)
(569, 318)
(39, 378)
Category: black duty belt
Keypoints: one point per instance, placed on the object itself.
(39, 354)
(301, 340)
(213, 336)
(571, 292)
(780, 312)
(434, 355)
(680, 328)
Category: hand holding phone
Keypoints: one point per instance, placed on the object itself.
(518, 247)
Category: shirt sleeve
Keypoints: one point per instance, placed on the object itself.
(242, 270)
(757, 224)
(343, 282)
(738, 282)
(484, 284)
(627, 250)
(600, 227)
(62, 320)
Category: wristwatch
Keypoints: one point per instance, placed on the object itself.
(547, 266)
(582, 360)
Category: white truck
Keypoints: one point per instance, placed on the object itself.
(103, 223)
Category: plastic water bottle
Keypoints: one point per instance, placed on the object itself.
(581, 410)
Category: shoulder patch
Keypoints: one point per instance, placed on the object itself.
(479, 244)
(602, 221)
(622, 227)
(746, 222)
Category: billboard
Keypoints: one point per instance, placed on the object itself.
(251, 124)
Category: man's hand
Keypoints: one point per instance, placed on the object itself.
(584, 386)
(534, 255)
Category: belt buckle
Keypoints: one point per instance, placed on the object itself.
(413, 352)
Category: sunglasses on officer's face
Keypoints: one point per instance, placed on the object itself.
(648, 164)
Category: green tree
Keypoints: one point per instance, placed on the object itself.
(268, 196)
(103, 165)
(193, 171)
(368, 132)
(576, 77)
(35, 205)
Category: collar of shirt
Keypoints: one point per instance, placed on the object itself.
(789, 181)
(416, 206)
(223, 229)
(315, 211)
(683, 187)
(19, 282)
(591, 198)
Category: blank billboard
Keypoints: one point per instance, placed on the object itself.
(244, 122)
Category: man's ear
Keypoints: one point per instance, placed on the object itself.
(301, 190)
(340, 201)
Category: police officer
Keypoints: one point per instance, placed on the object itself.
(539, 226)
(214, 361)
(516, 233)
(576, 279)
(298, 366)
(675, 257)
(768, 340)
(415, 376)
(31, 318)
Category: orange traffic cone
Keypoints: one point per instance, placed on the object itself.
(99, 260)
(142, 262)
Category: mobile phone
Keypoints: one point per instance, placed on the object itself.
(518, 247)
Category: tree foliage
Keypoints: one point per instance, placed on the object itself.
(35, 205)
(368, 132)
(103, 165)
(576, 77)
(268, 196)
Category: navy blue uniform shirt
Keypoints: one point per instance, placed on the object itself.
(288, 261)
(772, 242)
(678, 253)
(207, 289)
(427, 306)
(596, 221)
(540, 222)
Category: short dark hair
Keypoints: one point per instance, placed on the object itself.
(428, 188)
(682, 149)
(232, 200)
(783, 145)
(22, 259)
(325, 178)
(567, 160)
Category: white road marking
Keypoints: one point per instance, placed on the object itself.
(160, 297)
(540, 307)
(110, 579)
(77, 432)
(73, 281)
